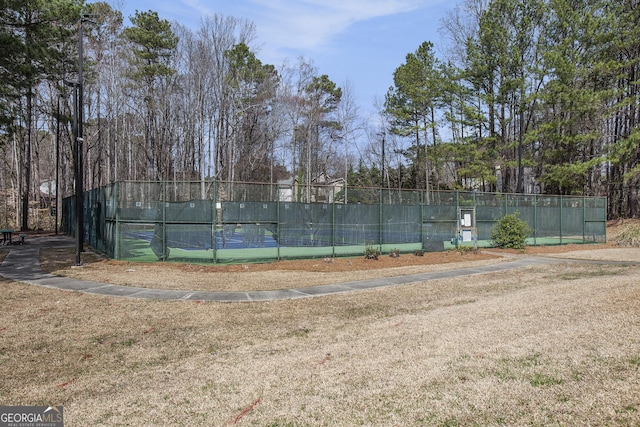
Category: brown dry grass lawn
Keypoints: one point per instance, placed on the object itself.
(550, 345)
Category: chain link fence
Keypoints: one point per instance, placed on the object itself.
(231, 222)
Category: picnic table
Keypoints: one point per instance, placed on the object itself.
(6, 236)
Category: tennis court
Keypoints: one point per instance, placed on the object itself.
(237, 222)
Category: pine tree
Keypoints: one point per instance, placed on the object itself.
(573, 97)
(153, 43)
(412, 102)
(34, 36)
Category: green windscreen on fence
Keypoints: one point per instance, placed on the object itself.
(224, 222)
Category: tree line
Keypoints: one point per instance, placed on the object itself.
(535, 96)
(527, 96)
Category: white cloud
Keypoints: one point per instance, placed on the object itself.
(310, 24)
(288, 28)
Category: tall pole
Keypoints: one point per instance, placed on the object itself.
(76, 169)
(76, 175)
(78, 119)
(57, 159)
(79, 139)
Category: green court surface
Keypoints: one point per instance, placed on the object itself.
(140, 251)
(538, 241)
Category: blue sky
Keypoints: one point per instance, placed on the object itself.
(360, 41)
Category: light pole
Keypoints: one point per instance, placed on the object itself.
(79, 139)
(57, 158)
(77, 169)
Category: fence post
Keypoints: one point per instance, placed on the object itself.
(163, 203)
(584, 219)
(278, 201)
(422, 207)
(535, 220)
(457, 223)
(214, 214)
(116, 206)
(380, 224)
(506, 204)
(561, 224)
(333, 221)
(605, 204)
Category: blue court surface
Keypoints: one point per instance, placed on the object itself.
(250, 236)
(196, 241)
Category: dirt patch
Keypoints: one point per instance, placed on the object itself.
(253, 277)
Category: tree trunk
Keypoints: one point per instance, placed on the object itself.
(26, 166)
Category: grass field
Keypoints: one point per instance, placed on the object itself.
(550, 345)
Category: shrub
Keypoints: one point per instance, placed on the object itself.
(395, 253)
(510, 232)
(418, 252)
(371, 252)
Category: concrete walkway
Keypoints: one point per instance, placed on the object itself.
(22, 265)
